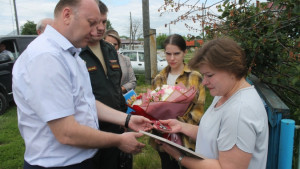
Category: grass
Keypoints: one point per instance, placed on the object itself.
(11, 143)
(148, 158)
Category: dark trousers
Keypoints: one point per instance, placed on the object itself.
(112, 158)
(167, 162)
(87, 164)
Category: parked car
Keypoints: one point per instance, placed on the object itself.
(16, 45)
(137, 61)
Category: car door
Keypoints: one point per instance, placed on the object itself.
(161, 63)
(16, 45)
(133, 59)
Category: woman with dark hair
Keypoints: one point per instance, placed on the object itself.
(178, 72)
(233, 132)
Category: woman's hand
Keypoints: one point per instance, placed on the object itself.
(174, 124)
(179, 127)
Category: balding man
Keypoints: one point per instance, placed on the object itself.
(41, 25)
(57, 112)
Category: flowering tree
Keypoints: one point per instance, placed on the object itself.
(204, 15)
(268, 32)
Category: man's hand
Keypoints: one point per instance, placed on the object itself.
(138, 123)
(129, 143)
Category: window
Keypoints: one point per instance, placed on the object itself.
(131, 55)
(141, 57)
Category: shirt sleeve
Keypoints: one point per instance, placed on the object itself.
(49, 89)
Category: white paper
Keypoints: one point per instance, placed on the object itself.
(185, 150)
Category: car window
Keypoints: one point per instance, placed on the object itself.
(24, 42)
(141, 56)
(131, 55)
(10, 46)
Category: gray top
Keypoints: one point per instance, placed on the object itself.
(241, 121)
(128, 77)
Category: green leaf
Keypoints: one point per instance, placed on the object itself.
(241, 2)
(295, 80)
(255, 45)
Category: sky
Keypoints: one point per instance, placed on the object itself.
(119, 14)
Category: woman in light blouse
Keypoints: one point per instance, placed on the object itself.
(233, 132)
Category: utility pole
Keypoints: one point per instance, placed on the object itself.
(153, 53)
(203, 20)
(130, 44)
(146, 31)
(16, 16)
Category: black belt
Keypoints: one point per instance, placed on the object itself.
(86, 164)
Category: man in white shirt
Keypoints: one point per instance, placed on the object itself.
(57, 112)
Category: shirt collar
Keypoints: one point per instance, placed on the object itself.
(60, 40)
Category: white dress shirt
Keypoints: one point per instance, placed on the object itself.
(50, 81)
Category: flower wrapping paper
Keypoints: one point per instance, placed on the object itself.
(167, 102)
(175, 104)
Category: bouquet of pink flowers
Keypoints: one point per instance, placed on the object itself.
(167, 102)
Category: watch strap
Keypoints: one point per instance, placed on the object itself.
(180, 159)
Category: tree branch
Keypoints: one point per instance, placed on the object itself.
(289, 88)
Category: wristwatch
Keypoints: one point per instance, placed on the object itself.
(180, 159)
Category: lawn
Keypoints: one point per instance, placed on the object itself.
(12, 145)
